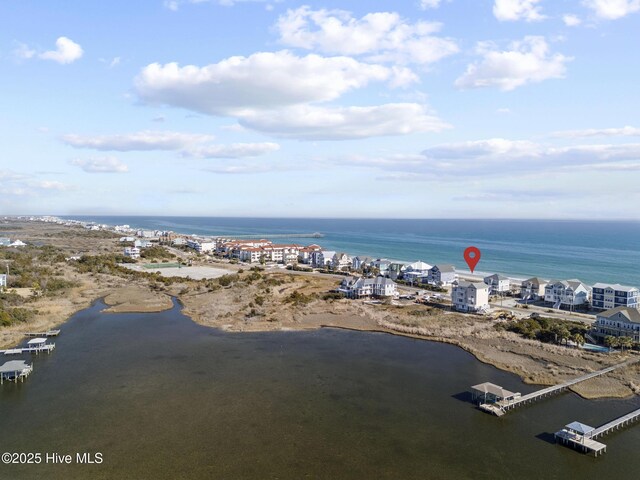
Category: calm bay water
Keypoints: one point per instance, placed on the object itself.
(590, 251)
(164, 398)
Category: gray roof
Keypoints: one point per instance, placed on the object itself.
(493, 389)
(496, 276)
(535, 281)
(615, 286)
(445, 268)
(580, 428)
(13, 366)
(476, 285)
(631, 314)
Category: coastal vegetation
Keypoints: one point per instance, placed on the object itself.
(547, 330)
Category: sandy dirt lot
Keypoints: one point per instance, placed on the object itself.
(196, 272)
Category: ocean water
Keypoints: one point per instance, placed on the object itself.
(161, 397)
(588, 250)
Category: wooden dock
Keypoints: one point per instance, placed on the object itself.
(48, 333)
(37, 345)
(502, 406)
(15, 371)
(582, 437)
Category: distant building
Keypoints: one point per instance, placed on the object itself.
(360, 262)
(442, 275)
(3, 280)
(5, 242)
(178, 241)
(416, 272)
(127, 239)
(322, 258)
(533, 289)
(618, 322)
(605, 296)
(341, 261)
(18, 243)
(470, 296)
(201, 247)
(132, 252)
(498, 284)
(395, 271)
(142, 243)
(360, 287)
(381, 264)
(566, 293)
(304, 254)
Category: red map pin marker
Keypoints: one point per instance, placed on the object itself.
(472, 257)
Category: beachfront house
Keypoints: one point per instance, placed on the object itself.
(142, 243)
(618, 322)
(179, 241)
(304, 254)
(417, 272)
(127, 239)
(566, 293)
(200, 246)
(605, 296)
(322, 258)
(381, 265)
(533, 289)
(498, 284)
(360, 263)
(395, 271)
(341, 261)
(442, 275)
(470, 296)
(361, 287)
(3, 281)
(132, 252)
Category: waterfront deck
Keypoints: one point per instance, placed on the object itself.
(502, 406)
(37, 345)
(14, 371)
(583, 438)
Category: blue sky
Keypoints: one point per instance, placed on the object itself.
(395, 109)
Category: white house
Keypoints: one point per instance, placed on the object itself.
(3, 280)
(442, 275)
(201, 247)
(359, 287)
(127, 239)
(498, 284)
(605, 296)
(381, 264)
(132, 252)
(416, 272)
(322, 258)
(142, 243)
(470, 296)
(341, 261)
(533, 289)
(178, 241)
(618, 322)
(566, 293)
(360, 262)
(17, 243)
(304, 254)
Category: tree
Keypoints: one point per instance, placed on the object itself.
(625, 342)
(610, 341)
(578, 339)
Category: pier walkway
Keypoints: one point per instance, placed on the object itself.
(619, 422)
(37, 345)
(48, 333)
(503, 405)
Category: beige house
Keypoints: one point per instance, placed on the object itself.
(470, 296)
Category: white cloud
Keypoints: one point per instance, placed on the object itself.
(67, 51)
(500, 157)
(381, 36)
(101, 165)
(141, 141)
(263, 80)
(571, 20)
(503, 110)
(23, 51)
(613, 9)
(234, 150)
(512, 10)
(427, 4)
(600, 132)
(526, 61)
(342, 123)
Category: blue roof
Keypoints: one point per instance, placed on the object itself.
(580, 428)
